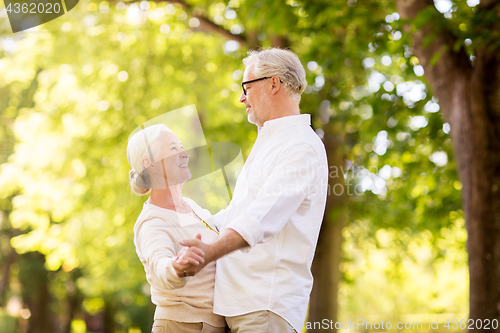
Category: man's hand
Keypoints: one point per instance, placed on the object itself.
(188, 258)
(228, 242)
(197, 246)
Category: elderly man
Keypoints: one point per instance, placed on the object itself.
(276, 212)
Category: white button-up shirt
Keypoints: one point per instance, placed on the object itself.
(277, 207)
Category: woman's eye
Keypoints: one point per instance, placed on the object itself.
(174, 148)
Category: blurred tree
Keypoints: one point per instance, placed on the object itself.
(67, 176)
(460, 56)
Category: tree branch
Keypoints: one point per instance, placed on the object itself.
(450, 67)
(486, 4)
(206, 23)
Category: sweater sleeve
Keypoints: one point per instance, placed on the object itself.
(158, 251)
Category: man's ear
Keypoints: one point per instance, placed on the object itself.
(275, 85)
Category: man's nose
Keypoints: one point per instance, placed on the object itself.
(242, 97)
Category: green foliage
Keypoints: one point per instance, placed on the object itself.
(69, 160)
(8, 323)
(76, 87)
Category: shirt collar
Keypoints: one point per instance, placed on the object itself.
(278, 124)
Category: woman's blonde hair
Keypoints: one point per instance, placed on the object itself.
(145, 143)
(283, 63)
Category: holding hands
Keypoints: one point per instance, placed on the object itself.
(195, 255)
(191, 258)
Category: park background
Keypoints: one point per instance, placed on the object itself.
(391, 90)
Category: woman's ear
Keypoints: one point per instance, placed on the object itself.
(146, 163)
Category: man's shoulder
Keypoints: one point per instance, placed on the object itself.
(304, 136)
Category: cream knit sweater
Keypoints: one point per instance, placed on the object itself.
(156, 236)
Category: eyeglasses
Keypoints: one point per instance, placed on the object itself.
(247, 82)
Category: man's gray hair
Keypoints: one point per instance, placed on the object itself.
(283, 63)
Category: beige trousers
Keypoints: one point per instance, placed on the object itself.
(259, 322)
(170, 326)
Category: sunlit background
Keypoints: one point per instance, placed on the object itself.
(72, 91)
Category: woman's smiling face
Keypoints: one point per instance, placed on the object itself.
(172, 160)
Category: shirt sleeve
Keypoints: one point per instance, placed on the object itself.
(280, 196)
(219, 220)
(159, 253)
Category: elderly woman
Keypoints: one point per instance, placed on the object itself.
(160, 167)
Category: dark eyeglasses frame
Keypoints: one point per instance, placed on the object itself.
(247, 82)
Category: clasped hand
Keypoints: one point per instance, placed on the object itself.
(191, 258)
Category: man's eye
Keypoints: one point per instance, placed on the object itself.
(173, 148)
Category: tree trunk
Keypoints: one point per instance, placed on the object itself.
(325, 268)
(470, 101)
(5, 280)
(74, 300)
(34, 280)
(11, 254)
(108, 318)
(482, 195)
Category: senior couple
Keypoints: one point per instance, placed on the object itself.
(247, 268)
